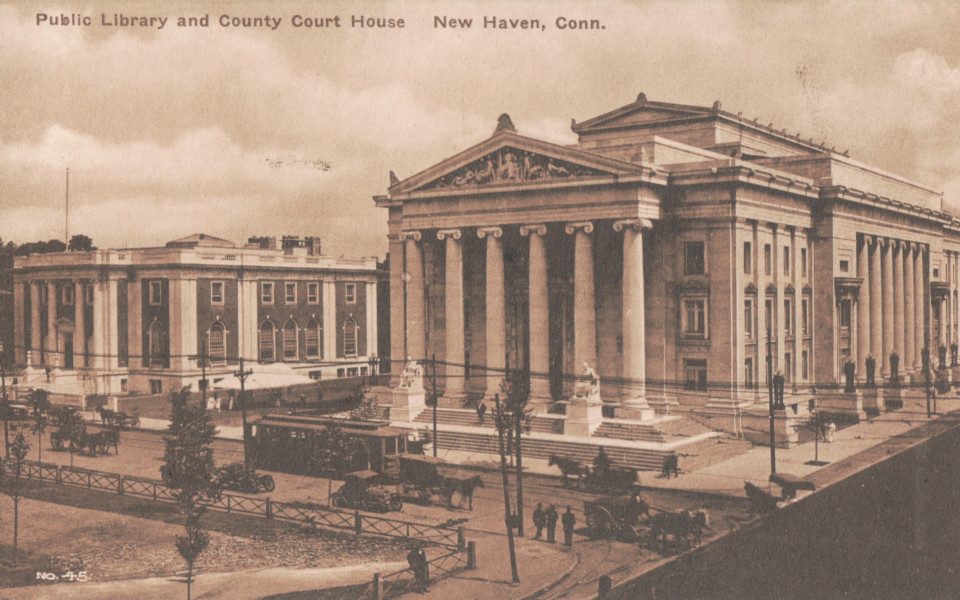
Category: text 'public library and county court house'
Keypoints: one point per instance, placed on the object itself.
(660, 249)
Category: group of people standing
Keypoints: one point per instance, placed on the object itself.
(548, 519)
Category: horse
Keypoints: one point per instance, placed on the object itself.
(569, 466)
(760, 501)
(681, 525)
(700, 520)
(110, 437)
(465, 487)
(107, 416)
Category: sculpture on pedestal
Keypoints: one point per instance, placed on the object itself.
(778, 381)
(588, 388)
(411, 378)
(849, 369)
(953, 354)
(894, 366)
(871, 364)
(942, 356)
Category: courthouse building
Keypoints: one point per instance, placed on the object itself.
(136, 320)
(662, 250)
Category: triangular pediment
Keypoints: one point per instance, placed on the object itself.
(640, 112)
(508, 159)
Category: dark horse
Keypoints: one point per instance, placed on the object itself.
(569, 466)
(454, 485)
(107, 416)
(681, 525)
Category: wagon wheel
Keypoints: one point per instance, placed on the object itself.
(626, 533)
(267, 483)
(396, 502)
(602, 524)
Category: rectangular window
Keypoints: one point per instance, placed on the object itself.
(693, 258)
(216, 292)
(67, 294)
(266, 292)
(290, 292)
(786, 260)
(313, 293)
(156, 293)
(748, 373)
(803, 262)
(313, 341)
(768, 306)
(787, 314)
(695, 374)
(350, 292)
(805, 316)
(803, 365)
(748, 317)
(341, 372)
(767, 259)
(788, 366)
(845, 314)
(123, 386)
(695, 317)
(747, 258)
(844, 266)
(352, 372)
(156, 386)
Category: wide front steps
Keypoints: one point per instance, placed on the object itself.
(468, 418)
(645, 459)
(629, 431)
(710, 451)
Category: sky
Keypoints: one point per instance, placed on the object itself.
(242, 131)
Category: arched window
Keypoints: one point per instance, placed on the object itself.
(267, 341)
(217, 343)
(156, 338)
(290, 340)
(312, 335)
(350, 338)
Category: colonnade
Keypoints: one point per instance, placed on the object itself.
(46, 348)
(584, 317)
(891, 303)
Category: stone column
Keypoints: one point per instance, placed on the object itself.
(51, 357)
(887, 260)
(96, 325)
(110, 318)
(372, 332)
(36, 343)
(17, 354)
(910, 351)
(329, 299)
(539, 317)
(79, 336)
(495, 309)
(899, 297)
(876, 308)
(453, 306)
(413, 276)
(584, 308)
(863, 308)
(919, 301)
(135, 322)
(634, 312)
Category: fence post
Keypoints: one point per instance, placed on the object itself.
(356, 522)
(377, 587)
(471, 555)
(269, 506)
(120, 485)
(59, 480)
(89, 483)
(461, 541)
(604, 585)
(154, 492)
(228, 501)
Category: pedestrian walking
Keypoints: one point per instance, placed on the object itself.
(539, 520)
(552, 517)
(481, 411)
(417, 559)
(216, 401)
(569, 522)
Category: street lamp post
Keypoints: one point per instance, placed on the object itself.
(770, 386)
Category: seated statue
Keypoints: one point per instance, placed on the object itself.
(411, 374)
(589, 384)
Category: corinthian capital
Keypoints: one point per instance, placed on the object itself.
(445, 233)
(571, 228)
(483, 232)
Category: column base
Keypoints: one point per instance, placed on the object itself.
(583, 418)
(539, 404)
(846, 404)
(405, 405)
(636, 409)
(892, 398)
(452, 400)
(872, 400)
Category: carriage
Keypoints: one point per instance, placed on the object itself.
(602, 478)
(420, 478)
(362, 490)
(118, 419)
(615, 517)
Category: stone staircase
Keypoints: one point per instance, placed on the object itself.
(629, 431)
(468, 418)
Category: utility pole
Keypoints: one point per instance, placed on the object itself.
(202, 360)
(6, 407)
(773, 435)
(519, 402)
(502, 423)
(242, 376)
(433, 361)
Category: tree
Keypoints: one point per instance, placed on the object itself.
(80, 243)
(191, 474)
(334, 452)
(18, 463)
(367, 410)
(39, 410)
(70, 424)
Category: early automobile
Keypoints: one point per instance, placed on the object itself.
(615, 517)
(236, 477)
(362, 490)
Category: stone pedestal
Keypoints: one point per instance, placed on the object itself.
(756, 427)
(955, 373)
(636, 409)
(872, 400)
(406, 404)
(584, 415)
(944, 380)
(892, 397)
(538, 405)
(848, 404)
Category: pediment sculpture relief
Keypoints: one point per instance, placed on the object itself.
(511, 165)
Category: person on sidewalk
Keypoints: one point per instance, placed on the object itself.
(481, 411)
(417, 559)
(551, 516)
(539, 520)
(569, 522)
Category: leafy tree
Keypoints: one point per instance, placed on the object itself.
(190, 470)
(80, 243)
(18, 465)
(70, 424)
(334, 453)
(368, 408)
(40, 407)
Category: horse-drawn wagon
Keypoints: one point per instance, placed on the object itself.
(421, 480)
(615, 517)
(362, 490)
(601, 478)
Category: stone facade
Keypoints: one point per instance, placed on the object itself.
(136, 320)
(673, 248)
